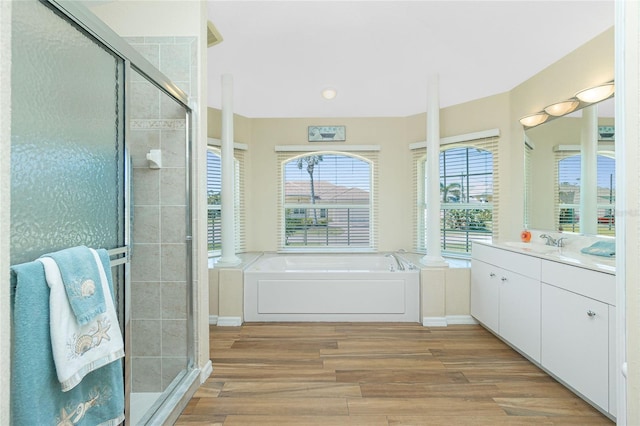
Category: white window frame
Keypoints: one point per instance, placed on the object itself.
(367, 153)
(565, 151)
(487, 140)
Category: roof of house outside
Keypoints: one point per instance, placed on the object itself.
(326, 192)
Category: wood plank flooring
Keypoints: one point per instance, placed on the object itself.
(371, 374)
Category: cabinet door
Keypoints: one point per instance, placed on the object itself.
(485, 293)
(575, 342)
(520, 312)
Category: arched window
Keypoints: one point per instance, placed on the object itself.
(327, 200)
(569, 192)
(468, 198)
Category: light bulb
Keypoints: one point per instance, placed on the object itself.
(561, 108)
(596, 94)
(534, 119)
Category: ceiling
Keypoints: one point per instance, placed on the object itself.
(378, 55)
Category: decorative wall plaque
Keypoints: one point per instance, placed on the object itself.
(327, 133)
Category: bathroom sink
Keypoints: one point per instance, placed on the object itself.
(531, 247)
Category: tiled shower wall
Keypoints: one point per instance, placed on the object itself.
(158, 271)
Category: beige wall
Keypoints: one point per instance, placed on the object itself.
(394, 177)
(153, 18)
(392, 135)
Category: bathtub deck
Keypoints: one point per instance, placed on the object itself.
(372, 374)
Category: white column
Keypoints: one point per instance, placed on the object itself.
(433, 256)
(228, 257)
(589, 171)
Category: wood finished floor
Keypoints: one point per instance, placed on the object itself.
(376, 374)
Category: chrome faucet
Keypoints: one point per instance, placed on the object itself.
(553, 242)
(550, 240)
(400, 264)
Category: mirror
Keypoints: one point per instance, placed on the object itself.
(553, 186)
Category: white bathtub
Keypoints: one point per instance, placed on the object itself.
(340, 287)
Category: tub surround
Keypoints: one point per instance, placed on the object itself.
(226, 291)
(444, 294)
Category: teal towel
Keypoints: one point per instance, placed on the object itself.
(601, 248)
(81, 281)
(36, 397)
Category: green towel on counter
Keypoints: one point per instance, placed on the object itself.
(601, 248)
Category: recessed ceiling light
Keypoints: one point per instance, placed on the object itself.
(329, 93)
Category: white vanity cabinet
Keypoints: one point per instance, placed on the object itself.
(505, 296)
(485, 293)
(559, 315)
(576, 308)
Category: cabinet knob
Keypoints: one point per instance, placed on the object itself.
(591, 313)
(503, 279)
(492, 275)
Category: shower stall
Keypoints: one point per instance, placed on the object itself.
(101, 157)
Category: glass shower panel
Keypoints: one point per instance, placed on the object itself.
(159, 307)
(66, 146)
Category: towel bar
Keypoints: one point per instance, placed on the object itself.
(119, 251)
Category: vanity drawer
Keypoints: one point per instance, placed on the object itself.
(522, 264)
(596, 285)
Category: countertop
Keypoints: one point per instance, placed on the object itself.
(567, 255)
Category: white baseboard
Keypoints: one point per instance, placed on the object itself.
(434, 321)
(229, 321)
(448, 320)
(206, 372)
(461, 319)
(213, 319)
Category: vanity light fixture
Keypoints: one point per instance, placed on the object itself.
(561, 108)
(582, 99)
(534, 119)
(329, 93)
(597, 94)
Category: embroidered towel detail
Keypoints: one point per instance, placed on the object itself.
(80, 349)
(80, 276)
(601, 248)
(36, 397)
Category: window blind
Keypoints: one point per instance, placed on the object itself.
(568, 191)
(214, 207)
(468, 190)
(327, 200)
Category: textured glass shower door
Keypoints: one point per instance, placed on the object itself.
(159, 309)
(67, 189)
(67, 161)
(69, 186)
